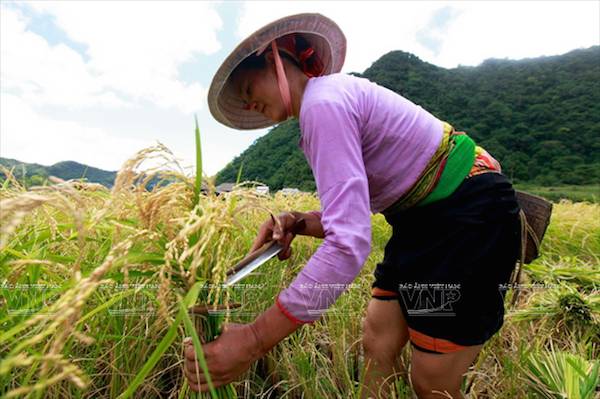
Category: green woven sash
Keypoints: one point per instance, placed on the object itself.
(459, 163)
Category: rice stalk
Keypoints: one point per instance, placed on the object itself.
(11, 180)
(198, 185)
(554, 374)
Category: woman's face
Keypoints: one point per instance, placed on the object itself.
(259, 90)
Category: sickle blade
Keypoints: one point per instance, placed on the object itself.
(250, 267)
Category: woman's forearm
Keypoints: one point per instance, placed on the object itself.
(271, 327)
(313, 228)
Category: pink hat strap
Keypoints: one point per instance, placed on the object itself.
(282, 81)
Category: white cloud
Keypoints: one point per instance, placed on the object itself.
(99, 108)
(45, 75)
(518, 30)
(36, 138)
(433, 34)
(137, 47)
(134, 52)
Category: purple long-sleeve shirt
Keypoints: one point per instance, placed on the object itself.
(366, 146)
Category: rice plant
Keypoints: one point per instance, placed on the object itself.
(158, 246)
(554, 374)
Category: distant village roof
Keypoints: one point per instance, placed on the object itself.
(261, 189)
(224, 187)
(289, 190)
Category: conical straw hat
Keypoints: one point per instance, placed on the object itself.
(325, 37)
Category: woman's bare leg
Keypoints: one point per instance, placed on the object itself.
(440, 375)
(384, 335)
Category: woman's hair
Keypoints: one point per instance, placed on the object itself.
(303, 56)
(258, 62)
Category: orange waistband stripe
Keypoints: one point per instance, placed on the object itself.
(433, 344)
(381, 292)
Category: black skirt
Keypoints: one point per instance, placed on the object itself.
(449, 261)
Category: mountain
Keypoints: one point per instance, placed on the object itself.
(35, 174)
(539, 117)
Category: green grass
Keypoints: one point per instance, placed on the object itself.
(588, 193)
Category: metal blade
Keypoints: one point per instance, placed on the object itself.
(262, 258)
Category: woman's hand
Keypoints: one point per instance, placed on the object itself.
(227, 357)
(238, 346)
(280, 229)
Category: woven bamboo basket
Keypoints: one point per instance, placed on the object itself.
(537, 212)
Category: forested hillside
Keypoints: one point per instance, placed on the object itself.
(33, 174)
(540, 117)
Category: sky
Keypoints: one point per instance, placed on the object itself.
(95, 82)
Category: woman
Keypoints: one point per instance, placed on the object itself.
(454, 215)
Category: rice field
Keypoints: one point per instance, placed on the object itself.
(587, 193)
(98, 288)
